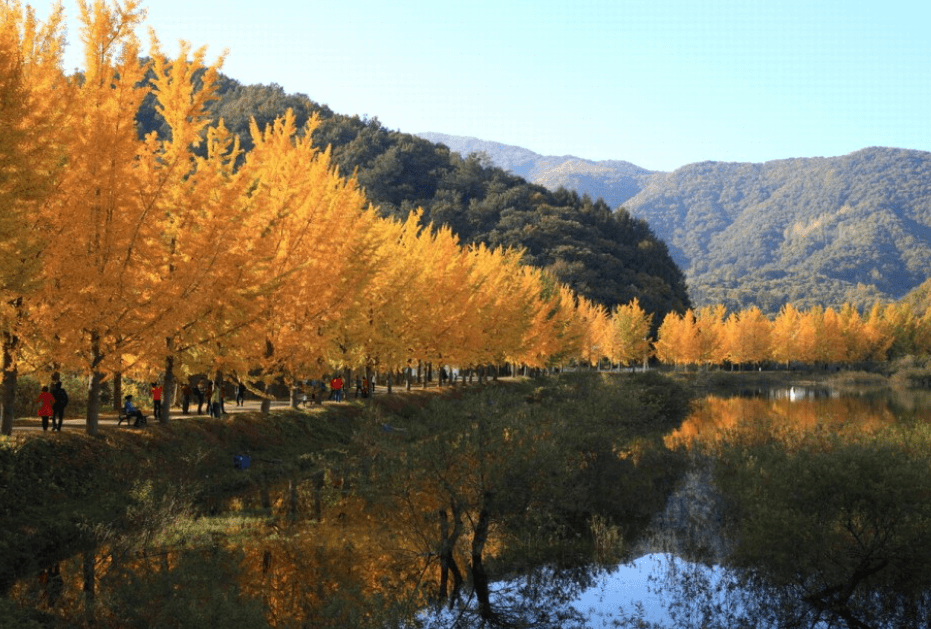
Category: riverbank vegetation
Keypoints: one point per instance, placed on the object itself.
(823, 504)
(349, 515)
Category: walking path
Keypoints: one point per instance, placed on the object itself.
(109, 417)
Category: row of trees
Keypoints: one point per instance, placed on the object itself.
(179, 252)
(711, 336)
(606, 256)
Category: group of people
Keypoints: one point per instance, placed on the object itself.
(207, 393)
(210, 394)
(52, 401)
(138, 417)
(316, 391)
(364, 388)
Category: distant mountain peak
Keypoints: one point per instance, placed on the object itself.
(615, 181)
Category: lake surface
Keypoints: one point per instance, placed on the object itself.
(661, 587)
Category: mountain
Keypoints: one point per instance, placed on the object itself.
(613, 181)
(809, 231)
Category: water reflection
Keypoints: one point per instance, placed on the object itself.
(817, 501)
(805, 507)
(789, 414)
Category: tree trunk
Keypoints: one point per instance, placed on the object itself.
(117, 391)
(218, 383)
(448, 538)
(266, 406)
(93, 387)
(168, 386)
(479, 576)
(295, 395)
(10, 374)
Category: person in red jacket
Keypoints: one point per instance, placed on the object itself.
(336, 386)
(157, 400)
(46, 400)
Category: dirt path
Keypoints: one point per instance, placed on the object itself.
(109, 418)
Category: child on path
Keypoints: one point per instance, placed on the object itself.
(46, 400)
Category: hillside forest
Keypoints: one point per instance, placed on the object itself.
(806, 231)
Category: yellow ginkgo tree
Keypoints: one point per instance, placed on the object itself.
(33, 112)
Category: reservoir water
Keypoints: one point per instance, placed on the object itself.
(804, 507)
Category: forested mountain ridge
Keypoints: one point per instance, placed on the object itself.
(614, 181)
(606, 256)
(811, 231)
(808, 231)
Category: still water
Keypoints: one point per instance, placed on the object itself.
(677, 578)
(663, 589)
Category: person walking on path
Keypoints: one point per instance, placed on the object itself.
(208, 398)
(201, 392)
(58, 408)
(185, 398)
(336, 385)
(157, 400)
(241, 393)
(46, 400)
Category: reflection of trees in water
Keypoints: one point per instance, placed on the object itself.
(757, 420)
(826, 505)
(690, 525)
(548, 492)
(541, 599)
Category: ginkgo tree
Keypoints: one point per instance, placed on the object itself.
(98, 293)
(32, 125)
(631, 334)
(310, 239)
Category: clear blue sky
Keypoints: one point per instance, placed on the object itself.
(660, 83)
